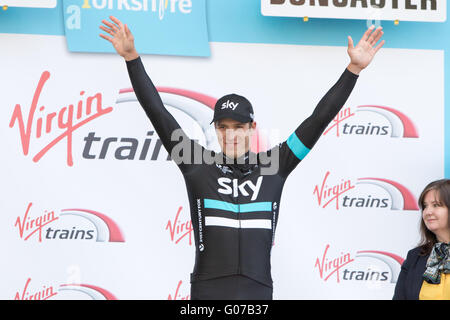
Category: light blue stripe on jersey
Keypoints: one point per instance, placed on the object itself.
(297, 147)
(247, 207)
(256, 206)
(221, 205)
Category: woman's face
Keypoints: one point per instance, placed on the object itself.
(435, 216)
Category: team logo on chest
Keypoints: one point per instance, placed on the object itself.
(231, 186)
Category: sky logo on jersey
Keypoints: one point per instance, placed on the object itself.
(239, 189)
(66, 225)
(348, 193)
(64, 291)
(171, 27)
(362, 266)
(394, 123)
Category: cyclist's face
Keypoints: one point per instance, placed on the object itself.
(234, 136)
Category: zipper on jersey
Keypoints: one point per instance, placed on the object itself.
(239, 229)
(239, 239)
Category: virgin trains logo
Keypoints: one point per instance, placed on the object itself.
(54, 126)
(178, 295)
(396, 124)
(180, 229)
(44, 126)
(67, 224)
(63, 291)
(348, 193)
(363, 266)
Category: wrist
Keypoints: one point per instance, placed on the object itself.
(354, 69)
(131, 55)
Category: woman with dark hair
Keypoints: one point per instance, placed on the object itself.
(425, 274)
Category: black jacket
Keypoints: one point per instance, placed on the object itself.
(410, 280)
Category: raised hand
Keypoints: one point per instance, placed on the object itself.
(365, 50)
(122, 39)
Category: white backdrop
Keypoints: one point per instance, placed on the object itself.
(106, 223)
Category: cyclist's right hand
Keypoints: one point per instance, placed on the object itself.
(122, 39)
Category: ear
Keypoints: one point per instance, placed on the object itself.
(253, 125)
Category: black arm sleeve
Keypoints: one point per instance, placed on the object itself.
(163, 122)
(299, 143)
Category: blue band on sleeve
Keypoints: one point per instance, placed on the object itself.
(297, 147)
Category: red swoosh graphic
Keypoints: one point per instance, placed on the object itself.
(200, 97)
(108, 295)
(391, 255)
(410, 202)
(115, 234)
(410, 130)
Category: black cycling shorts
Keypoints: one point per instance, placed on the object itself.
(236, 287)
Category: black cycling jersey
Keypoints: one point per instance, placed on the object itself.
(234, 208)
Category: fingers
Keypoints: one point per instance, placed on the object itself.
(378, 37)
(109, 24)
(366, 35)
(379, 46)
(107, 30)
(106, 37)
(116, 27)
(116, 21)
(350, 42)
(375, 36)
(113, 27)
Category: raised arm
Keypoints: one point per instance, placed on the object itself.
(164, 123)
(299, 143)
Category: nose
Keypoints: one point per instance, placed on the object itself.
(427, 212)
(230, 136)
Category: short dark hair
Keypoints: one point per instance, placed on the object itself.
(442, 188)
